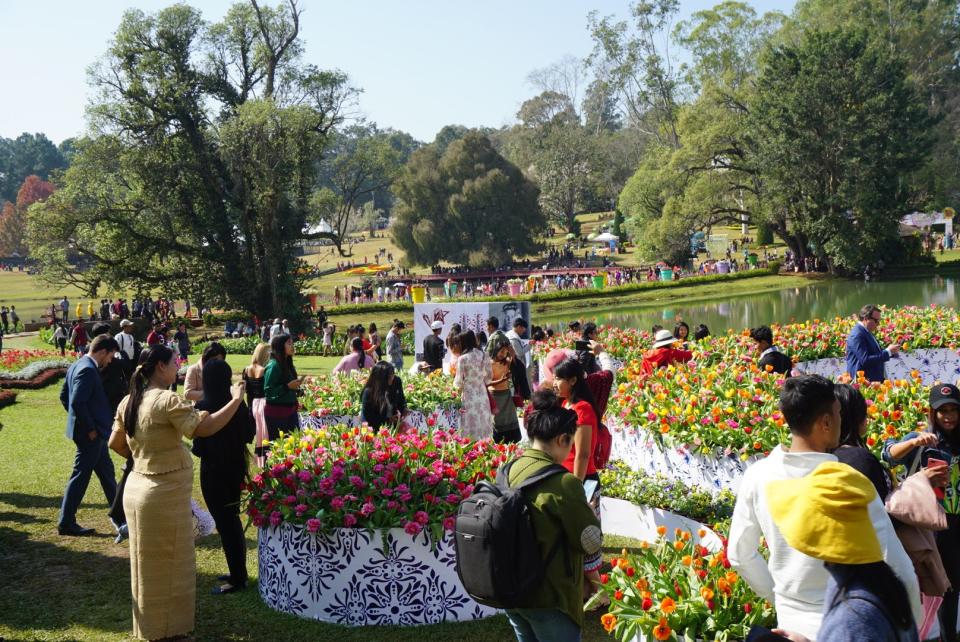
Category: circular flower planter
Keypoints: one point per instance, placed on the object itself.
(359, 577)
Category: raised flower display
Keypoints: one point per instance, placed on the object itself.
(355, 524)
(679, 590)
(339, 395)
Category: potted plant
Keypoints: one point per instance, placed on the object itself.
(355, 525)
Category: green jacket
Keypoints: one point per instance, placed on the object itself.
(275, 388)
(559, 509)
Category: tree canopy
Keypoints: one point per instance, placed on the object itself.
(200, 177)
(467, 205)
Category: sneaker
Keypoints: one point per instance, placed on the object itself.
(122, 534)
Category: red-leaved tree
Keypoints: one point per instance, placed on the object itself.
(13, 219)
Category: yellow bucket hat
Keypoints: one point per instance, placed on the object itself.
(824, 515)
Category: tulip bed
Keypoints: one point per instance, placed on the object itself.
(722, 404)
(339, 395)
(340, 476)
(678, 589)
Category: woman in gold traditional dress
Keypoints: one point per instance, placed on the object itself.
(150, 425)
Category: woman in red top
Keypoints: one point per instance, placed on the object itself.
(569, 380)
(663, 353)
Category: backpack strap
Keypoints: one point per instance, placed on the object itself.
(503, 475)
(547, 471)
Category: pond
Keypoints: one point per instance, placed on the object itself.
(819, 300)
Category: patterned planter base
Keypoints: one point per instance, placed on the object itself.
(348, 577)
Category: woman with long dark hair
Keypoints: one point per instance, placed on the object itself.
(506, 426)
(358, 359)
(150, 425)
(938, 446)
(280, 387)
(224, 462)
(382, 400)
(852, 450)
(473, 374)
(570, 383)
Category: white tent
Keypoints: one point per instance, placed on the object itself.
(606, 237)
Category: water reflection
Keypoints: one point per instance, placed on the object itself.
(819, 300)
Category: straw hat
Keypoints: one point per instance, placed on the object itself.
(824, 515)
(663, 338)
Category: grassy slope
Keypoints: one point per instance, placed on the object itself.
(58, 588)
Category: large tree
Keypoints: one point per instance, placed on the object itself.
(359, 163)
(838, 130)
(13, 220)
(199, 179)
(468, 205)
(26, 155)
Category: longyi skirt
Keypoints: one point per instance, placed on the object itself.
(163, 572)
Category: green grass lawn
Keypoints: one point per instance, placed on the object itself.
(60, 588)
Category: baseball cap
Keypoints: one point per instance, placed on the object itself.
(436, 325)
(942, 394)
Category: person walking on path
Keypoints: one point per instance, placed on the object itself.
(474, 373)
(149, 427)
(88, 424)
(60, 339)
(863, 349)
(78, 337)
(794, 582)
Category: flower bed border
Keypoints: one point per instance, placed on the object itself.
(42, 380)
(7, 398)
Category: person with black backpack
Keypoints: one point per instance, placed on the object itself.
(521, 543)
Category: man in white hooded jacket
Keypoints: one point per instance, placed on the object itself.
(796, 583)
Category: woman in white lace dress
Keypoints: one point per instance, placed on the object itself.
(473, 374)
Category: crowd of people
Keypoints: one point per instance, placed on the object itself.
(839, 568)
(122, 395)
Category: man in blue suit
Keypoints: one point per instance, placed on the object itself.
(89, 421)
(863, 349)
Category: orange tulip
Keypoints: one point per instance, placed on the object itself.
(667, 605)
(608, 620)
(661, 631)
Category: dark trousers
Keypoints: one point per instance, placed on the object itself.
(948, 543)
(92, 457)
(116, 513)
(220, 484)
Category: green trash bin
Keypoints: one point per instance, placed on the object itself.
(666, 274)
(598, 282)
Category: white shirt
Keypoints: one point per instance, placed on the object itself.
(796, 583)
(125, 341)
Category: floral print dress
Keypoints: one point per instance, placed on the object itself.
(474, 372)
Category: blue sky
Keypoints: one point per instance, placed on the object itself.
(421, 64)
